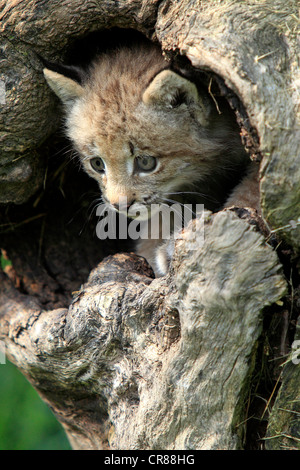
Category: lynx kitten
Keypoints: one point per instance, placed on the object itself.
(147, 133)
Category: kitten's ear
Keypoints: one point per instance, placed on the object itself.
(65, 82)
(168, 89)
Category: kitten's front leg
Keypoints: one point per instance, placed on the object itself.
(158, 253)
(246, 193)
(163, 256)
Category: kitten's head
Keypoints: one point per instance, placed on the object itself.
(142, 131)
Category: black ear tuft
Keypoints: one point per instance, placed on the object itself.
(71, 71)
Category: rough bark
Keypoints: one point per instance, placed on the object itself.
(130, 362)
(284, 425)
(136, 363)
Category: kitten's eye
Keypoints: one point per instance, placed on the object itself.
(145, 163)
(97, 164)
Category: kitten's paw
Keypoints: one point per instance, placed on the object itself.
(163, 257)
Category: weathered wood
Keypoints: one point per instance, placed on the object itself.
(136, 363)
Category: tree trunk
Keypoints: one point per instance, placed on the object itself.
(124, 360)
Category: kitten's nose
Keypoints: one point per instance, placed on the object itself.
(123, 204)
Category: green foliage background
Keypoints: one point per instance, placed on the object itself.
(26, 423)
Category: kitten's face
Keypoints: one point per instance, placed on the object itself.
(141, 131)
(144, 159)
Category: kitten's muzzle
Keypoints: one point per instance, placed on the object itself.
(123, 205)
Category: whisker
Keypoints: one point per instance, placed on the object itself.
(92, 207)
(172, 201)
(195, 193)
(167, 205)
(60, 151)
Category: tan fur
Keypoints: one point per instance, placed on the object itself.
(161, 90)
(247, 194)
(64, 87)
(126, 109)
